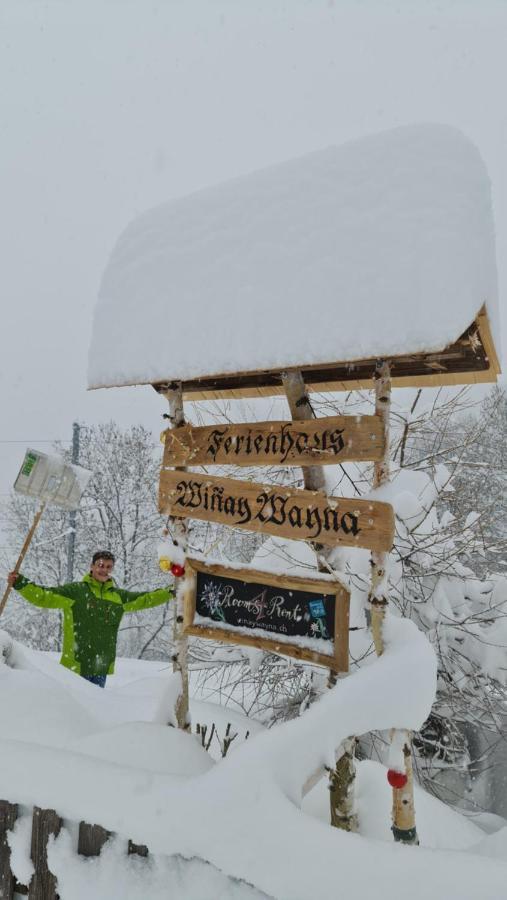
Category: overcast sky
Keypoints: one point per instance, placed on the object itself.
(108, 108)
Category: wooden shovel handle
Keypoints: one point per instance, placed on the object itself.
(22, 555)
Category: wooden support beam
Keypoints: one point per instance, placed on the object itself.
(342, 778)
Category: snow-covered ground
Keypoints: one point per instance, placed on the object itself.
(238, 827)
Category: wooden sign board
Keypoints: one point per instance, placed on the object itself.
(269, 509)
(306, 619)
(313, 442)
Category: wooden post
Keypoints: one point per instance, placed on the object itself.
(91, 839)
(8, 816)
(43, 882)
(179, 532)
(403, 828)
(137, 849)
(342, 778)
(22, 555)
(300, 409)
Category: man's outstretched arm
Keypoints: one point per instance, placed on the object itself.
(134, 601)
(45, 597)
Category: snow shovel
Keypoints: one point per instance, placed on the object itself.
(53, 482)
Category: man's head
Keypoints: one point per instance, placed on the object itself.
(102, 565)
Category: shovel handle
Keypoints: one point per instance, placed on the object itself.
(22, 555)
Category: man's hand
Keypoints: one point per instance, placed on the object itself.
(11, 578)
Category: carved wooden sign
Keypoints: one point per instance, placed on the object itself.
(270, 509)
(307, 619)
(314, 442)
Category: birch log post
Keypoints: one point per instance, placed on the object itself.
(403, 811)
(381, 472)
(178, 529)
(342, 778)
(403, 828)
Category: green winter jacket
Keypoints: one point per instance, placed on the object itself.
(92, 612)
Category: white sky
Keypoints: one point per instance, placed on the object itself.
(110, 107)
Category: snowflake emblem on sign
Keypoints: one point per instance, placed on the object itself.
(212, 599)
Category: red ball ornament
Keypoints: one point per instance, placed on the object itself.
(177, 570)
(396, 779)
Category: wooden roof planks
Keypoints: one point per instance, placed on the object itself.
(471, 359)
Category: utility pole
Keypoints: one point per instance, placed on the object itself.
(73, 514)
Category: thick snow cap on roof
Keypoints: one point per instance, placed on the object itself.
(380, 247)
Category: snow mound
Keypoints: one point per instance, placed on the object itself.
(115, 875)
(394, 230)
(43, 702)
(494, 845)
(152, 747)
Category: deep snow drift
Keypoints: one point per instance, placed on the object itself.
(242, 815)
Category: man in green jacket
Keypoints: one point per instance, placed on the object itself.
(92, 611)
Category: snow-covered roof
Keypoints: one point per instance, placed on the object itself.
(381, 247)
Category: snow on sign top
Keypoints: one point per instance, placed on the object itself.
(381, 247)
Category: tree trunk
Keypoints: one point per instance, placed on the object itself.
(403, 813)
(342, 778)
(178, 530)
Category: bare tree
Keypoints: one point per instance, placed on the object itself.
(118, 512)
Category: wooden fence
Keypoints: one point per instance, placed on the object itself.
(43, 884)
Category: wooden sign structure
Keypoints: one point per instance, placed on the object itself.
(334, 439)
(284, 512)
(295, 614)
(456, 357)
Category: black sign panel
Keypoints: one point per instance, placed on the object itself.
(274, 609)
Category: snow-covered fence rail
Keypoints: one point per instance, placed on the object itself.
(42, 885)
